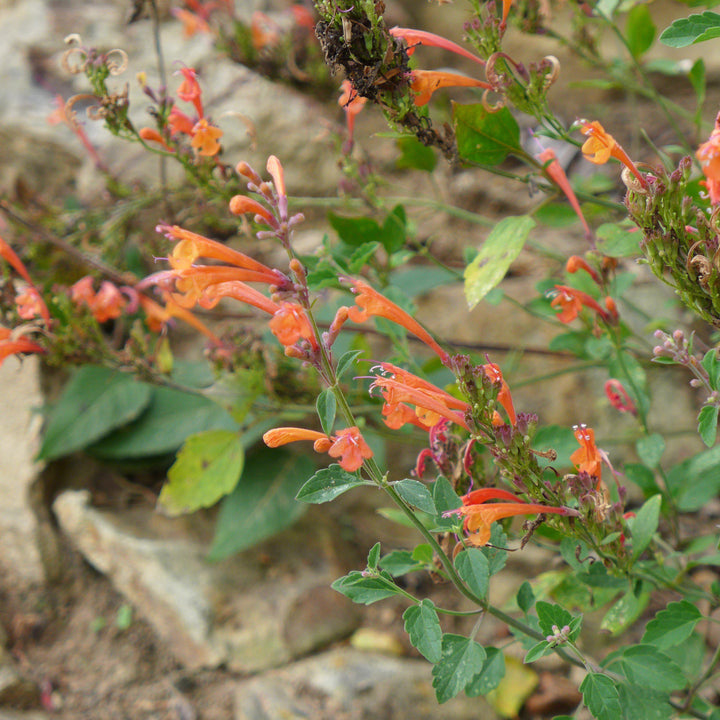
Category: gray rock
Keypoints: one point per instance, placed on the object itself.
(346, 684)
(251, 612)
(19, 442)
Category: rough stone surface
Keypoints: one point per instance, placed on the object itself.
(19, 434)
(346, 684)
(251, 612)
(247, 106)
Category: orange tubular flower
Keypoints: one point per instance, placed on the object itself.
(189, 90)
(290, 323)
(350, 446)
(709, 156)
(205, 138)
(192, 23)
(504, 397)
(352, 104)
(236, 290)
(192, 246)
(600, 146)
(572, 301)
(372, 303)
(10, 346)
(179, 122)
(109, 303)
(587, 457)
(507, 4)
(347, 444)
(151, 135)
(575, 263)
(241, 204)
(431, 402)
(479, 517)
(413, 38)
(554, 171)
(425, 82)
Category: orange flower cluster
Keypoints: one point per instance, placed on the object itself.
(479, 515)
(204, 137)
(206, 285)
(401, 389)
(425, 82)
(106, 304)
(30, 301)
(348, 444)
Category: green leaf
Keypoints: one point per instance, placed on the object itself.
(171, 417)
(650, 449)
(327, 484)
(494, 552)
(96, 401)
(689, 656)
(616, 241)
(672, 625)
(644, 525)
(423, 553)
(640, 30)
(707, 424)
(696, 480)
(326, 405)
(413, 154)
(360, 256)
(474, 569)
(493, 671)
(445, 498)
(697, 79)
(207, 467)
(601, 697)
(354, 231)
(423, 627)
(394, 230)
(500, 248)
(550, 614)
(643, 477)
(400, 562)
(262, 503)
(347, 361)
(485, 137)
(646, 666)
(691, 30)
(366, 590)
(525, 597)
(640, 703)
(416, 494)
(537, 651)
(711, 363)
(624, 612)
(461, 660)
(373, 556)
